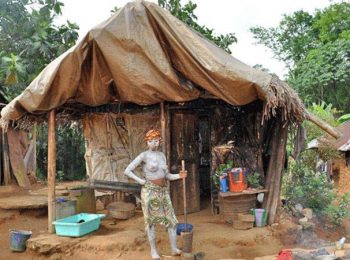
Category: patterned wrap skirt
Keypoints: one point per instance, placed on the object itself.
(156, 206)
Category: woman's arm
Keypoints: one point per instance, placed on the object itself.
(132, 166)
(169, 176)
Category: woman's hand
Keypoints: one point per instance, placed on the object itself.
(183, 174)
(142, 182)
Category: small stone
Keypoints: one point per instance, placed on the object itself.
(307, 213)
(342, 253)
(307, 225)
(299, 207)
(301, 256)
(302, 220)
(56, 256)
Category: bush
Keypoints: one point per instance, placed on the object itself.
(338, 210)
(310, 189)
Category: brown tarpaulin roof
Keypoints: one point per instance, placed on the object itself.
(142, 54)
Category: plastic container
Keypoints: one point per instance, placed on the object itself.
(223, 184)
(181, 228)
(260, 217)
(237, 179)
(65, 208)
(78, 225)
(18, 239)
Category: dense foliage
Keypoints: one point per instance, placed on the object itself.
(30, 40)
(309, 185)
(70, 160)
(316, 49)
(308, 188)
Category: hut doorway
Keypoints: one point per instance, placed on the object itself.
(204, 151)
(184, 146)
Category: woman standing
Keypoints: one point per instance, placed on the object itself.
(155, 198)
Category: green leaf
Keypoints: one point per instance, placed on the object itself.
(344, 118)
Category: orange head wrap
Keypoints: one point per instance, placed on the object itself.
(153, 134)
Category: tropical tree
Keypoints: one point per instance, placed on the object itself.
(316, 49)
(29, 40)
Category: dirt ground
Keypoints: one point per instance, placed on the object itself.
(127, 240)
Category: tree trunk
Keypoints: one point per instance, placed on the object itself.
(275, 170)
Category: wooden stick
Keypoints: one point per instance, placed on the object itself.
(168, 135)
(6, 159)
(184, 194)
(323, 125)
(51, 170)
(162, 126)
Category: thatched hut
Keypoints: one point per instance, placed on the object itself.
(144, 68)
(338, 169)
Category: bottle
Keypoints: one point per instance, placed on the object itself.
(340, 243)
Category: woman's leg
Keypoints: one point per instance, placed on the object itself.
(172, 239)
(151, 234)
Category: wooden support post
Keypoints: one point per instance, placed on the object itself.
(162, 126)
(323, 125)
(51, 170)
(275, 170)
(34, 147)
(1, 168)
(6, 159)
(167, 135)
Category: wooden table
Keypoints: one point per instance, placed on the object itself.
(232, 203)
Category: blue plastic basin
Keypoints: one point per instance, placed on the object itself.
(78, 225)
(181, 228)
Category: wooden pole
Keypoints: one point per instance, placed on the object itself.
(34, 149)
(184, 194)
(51, 170)
(162, 126)
(6, 159)
(323, 125)
(1, 157)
